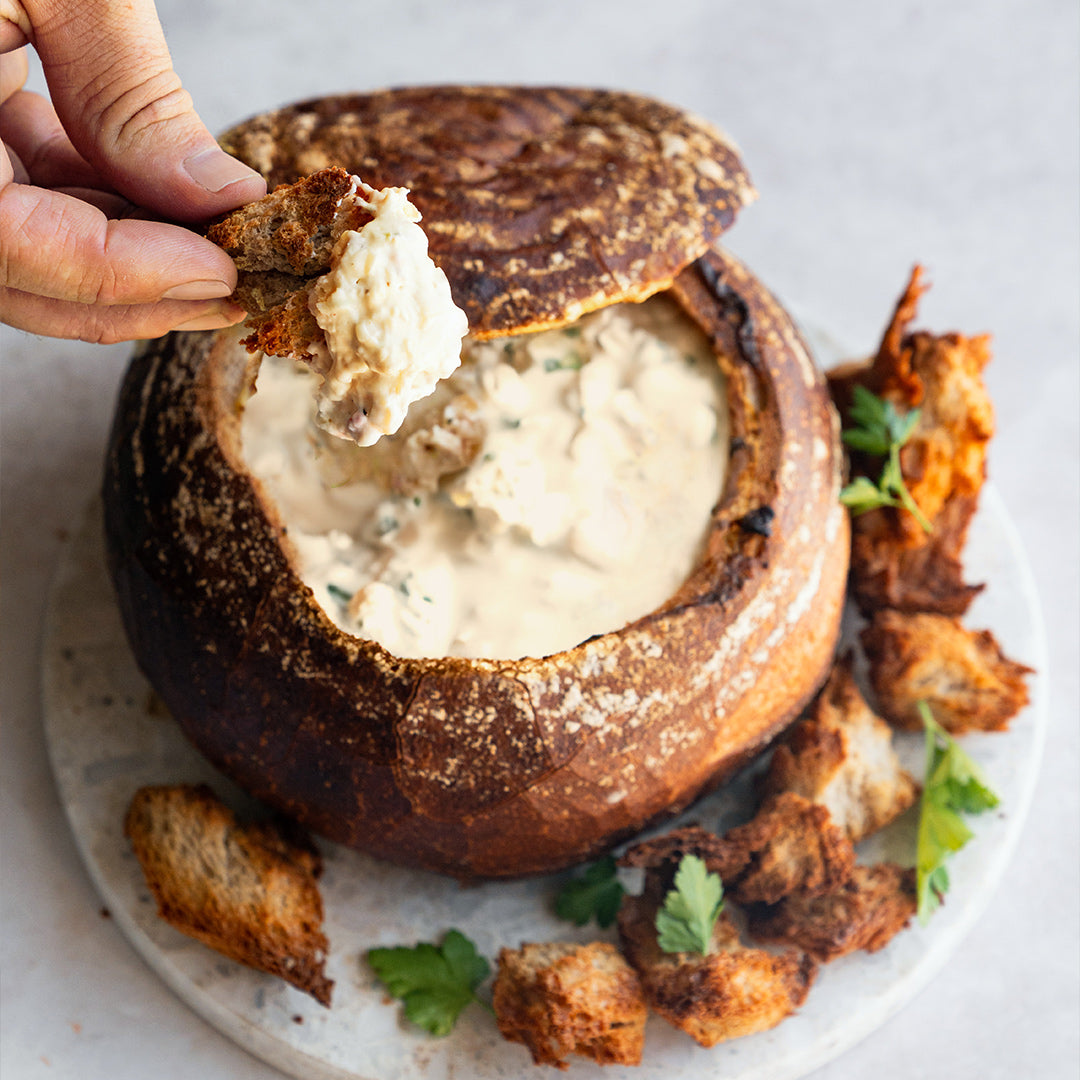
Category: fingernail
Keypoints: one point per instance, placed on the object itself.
(197, 290)
(214, 170)
(227, 315)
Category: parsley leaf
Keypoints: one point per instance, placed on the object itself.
(863, 494)
(435, 983)
(881, 430)
(954, 785)
(595, 894)
(685, 921)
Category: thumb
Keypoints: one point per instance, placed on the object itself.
(114, 88)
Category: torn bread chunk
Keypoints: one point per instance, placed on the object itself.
(790, 846)
(731, 992)
(841, 756)
(865, 912)
(337, 274)
(894, 561)
(560, 999)
(720, 856)
(962, 675)
(247, 891)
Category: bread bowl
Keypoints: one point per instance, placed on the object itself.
(541, 205)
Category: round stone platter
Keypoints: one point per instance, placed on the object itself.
(108, 735)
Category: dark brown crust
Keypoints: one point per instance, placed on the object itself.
(540, 203)
(866, 912)
(469, 767)
(789, 847)
(281, 245)
(292, 229)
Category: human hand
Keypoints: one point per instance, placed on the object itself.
(121, 138)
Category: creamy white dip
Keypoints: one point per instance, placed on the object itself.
(558, 485)
(392, 328)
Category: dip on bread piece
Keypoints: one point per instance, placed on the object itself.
(380, 326)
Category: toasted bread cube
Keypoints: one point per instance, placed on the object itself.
(560, 999)
(247, 891)
(841, 756)
(731, 992)
(866, 912)
(789, 846)
(969, 684)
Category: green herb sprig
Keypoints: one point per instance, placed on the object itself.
(881, 430)
(596, 894)
(571, 362)
(434, 982)
(686, 919)
(954, 785)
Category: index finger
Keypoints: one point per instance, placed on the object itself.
(112, 82)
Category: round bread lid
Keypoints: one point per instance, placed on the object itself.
(540, 203)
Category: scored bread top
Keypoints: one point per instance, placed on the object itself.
(540, 204)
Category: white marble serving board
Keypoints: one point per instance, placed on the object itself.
(107, 738)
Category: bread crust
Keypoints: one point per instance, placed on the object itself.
(476, 768)
(248, 891)
(840, 756)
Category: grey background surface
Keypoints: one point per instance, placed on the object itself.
(878, 135)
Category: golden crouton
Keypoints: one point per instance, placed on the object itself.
(866, 912)
(894, 562)
(841, 756)
(731, 992)
(961, 674)
(789, 846)
(561, 999)
(247, 891)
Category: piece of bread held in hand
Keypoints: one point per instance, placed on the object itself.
(281, 245)
(247, 891)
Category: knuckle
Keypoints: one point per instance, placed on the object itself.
(108, 326)
(127, 110)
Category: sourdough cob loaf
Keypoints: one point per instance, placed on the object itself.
(541, 205)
